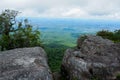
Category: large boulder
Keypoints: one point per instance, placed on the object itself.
(95, 59)
(24, 64)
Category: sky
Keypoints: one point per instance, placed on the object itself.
(106, 9)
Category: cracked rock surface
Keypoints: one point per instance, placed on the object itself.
(96, 58)
(24, 64)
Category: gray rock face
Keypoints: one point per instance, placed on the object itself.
(97, 59)
(24, 64)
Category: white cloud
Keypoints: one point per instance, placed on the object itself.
(65, 8)
(75, 12)
(64, 12)
(29, 13)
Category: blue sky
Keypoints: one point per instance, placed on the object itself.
(65, 8)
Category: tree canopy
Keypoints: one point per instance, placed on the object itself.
(16, 34)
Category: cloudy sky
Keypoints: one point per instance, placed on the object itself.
(65, 8)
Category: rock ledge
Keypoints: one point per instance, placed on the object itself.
(24, 64)
(96, 59)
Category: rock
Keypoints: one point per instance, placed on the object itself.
(97, 59)
(24, 64)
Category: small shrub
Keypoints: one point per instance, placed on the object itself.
(105, 34)
(75, 78)
(118, 76)
(114, 36)
(80, 40)
(94, 78)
